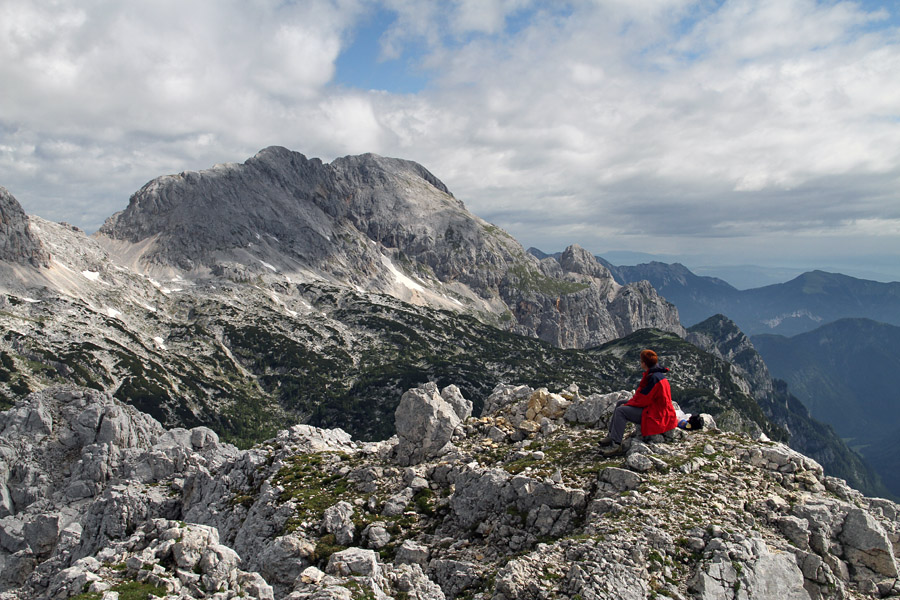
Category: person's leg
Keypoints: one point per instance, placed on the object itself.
(622, 415)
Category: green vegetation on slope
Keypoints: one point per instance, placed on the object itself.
(346, 363)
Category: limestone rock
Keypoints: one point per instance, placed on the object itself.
(703, 515)
(354, 561)
(453, 576)
(282, 560)
(866, 544)
(338, 521)
(763, 575)
(376, 536)
(42, 533)
(411, 553)
(409, 579)
(461, 406)
(17, 243)
(544, 404)
(620, 480)
(594, 410)
(425, 423)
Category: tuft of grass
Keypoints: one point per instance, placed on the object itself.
(127, 590)
(308, 481)
(325, 547)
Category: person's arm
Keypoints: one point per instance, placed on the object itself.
(642, 400)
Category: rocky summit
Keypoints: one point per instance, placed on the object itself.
(373, 223)
(101, 502)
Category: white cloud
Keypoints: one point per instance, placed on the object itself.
(573, 125)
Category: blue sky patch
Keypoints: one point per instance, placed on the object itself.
(360, 65)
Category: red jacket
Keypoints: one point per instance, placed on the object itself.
(655, 396)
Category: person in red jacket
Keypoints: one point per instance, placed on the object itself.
(651, 406)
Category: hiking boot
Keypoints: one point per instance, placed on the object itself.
(606, 441)
(614, 450)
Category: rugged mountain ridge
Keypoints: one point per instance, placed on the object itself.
(802, 304)
(242, 354)
(512, 504)
(812, 437)
(381, 224)
(808, 393)
(840, 371)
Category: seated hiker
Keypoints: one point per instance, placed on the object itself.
(651, 406)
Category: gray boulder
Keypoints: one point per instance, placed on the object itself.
(763, 576)
(453, 576)
(338, 521)
(454, 397)
(425, 422)
(410, 580)
(619, 480)
(397, 503)
(595, 409)
(41, 533)
(376, 536)
(281, 562)
(354, 561)
(867, 545)
(412, 553)
(31, 418)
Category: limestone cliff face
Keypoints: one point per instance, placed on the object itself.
(575, 303)
(379, 224)
(17, 243)
(721, 337)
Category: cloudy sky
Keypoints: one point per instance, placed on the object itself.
(715, 131)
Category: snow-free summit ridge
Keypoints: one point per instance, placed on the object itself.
(376, 224)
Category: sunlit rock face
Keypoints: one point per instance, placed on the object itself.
(377, 224)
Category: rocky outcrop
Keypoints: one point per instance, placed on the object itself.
(576, 303)
(77, 469)
(426, 421)
(17, 243)
(720, 336)
(509, 511)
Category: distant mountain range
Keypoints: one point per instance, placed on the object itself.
(844, 372)
(801, 304)
(846, 339)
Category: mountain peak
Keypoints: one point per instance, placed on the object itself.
(376, 224)
(576, 259)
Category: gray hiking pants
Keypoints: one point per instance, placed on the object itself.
(621, 415)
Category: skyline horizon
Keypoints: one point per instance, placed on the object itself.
(734, 131)
(740, 275)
